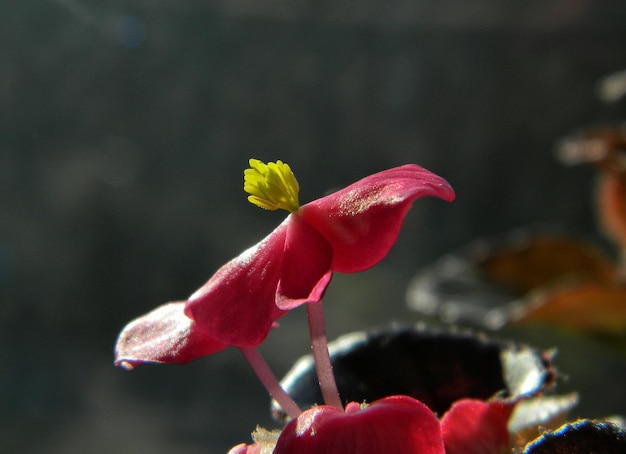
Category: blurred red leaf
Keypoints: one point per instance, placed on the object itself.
(590, 308)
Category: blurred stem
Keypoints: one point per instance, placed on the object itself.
(321, 356)
(269, 380)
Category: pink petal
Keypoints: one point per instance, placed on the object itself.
(245, 449)
(476, 427)
(392, 424)
(362, 221)
(237, 306)
(165, 335)
(306, 270)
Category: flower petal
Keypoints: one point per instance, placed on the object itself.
(237, 305)
(306, 268)
(245, 449)
(165, 335)
(362, 221)
(476, 427)
(392, 424)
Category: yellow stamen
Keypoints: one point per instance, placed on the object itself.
(271, 186)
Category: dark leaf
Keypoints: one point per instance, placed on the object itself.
(581, 437)
(435, 367)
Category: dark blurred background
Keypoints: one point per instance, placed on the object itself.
(125, 127)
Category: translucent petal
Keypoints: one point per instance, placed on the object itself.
(238, 304)
(306, 270)
(362, 221)
(392, 424)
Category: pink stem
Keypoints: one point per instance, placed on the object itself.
(269, 380)
(321, 356)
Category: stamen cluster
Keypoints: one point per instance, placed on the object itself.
(271, 186)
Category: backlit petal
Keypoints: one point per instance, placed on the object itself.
(237, 305)
(165, 335)
(390, 425)
(476, 427)
(245, 449)
(362, 221)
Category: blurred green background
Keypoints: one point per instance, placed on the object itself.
(125, 127)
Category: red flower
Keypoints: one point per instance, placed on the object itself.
(473, 426)
(396, 424)
(391, 425)
(347, 231)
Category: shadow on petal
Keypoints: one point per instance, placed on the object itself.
(306, 267)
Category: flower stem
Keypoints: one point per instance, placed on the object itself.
(321, 356)
(269, 380)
